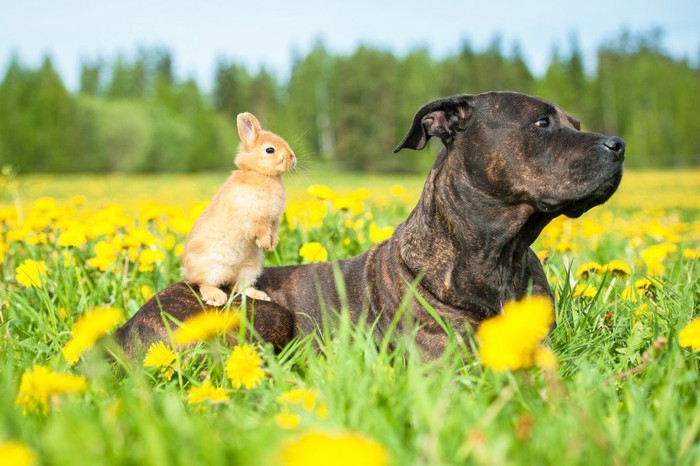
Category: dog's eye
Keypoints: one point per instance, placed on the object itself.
(542, 122)
(270, 150)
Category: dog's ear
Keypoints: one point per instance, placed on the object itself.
(441, 118)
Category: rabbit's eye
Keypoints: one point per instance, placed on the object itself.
(270, 150)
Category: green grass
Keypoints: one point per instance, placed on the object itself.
(624, 392)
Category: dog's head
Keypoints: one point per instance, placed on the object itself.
(522, 149)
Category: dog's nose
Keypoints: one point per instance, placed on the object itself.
(615, 145)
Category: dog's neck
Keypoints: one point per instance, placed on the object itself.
(471, 247)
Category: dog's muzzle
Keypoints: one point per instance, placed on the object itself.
(616, 146)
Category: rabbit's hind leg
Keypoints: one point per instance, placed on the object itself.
(249, 272)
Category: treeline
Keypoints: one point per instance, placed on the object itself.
(345, 110)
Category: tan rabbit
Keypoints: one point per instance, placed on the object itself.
(224, 246)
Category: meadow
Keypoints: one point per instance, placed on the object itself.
(616, 381)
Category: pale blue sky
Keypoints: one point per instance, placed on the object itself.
(265, 33)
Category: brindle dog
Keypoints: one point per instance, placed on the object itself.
(510, 164)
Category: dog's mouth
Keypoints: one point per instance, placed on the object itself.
(574, 208)
(570, 208)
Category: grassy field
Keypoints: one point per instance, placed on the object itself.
(80, 254)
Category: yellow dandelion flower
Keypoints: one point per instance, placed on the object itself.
(655, 269)
(159, 355)
(16, 454)
(322, 411)
(585, 291)
(39, 385)
(618, 268)
(641, 311)
(73, 237)
(243, 367)
(146, 292)
(313, 252)
(291, 214)
(180, 224)
(101, 227)
(30, 273)
(308, 214)
(543, 255)
(149, 257)
(168, 243)
(321, 191)
(68, 259)
(205, 325)
(315, 448)
(90, 328)
(299, 396)
(197, 210)
(151, 211)
(588, 268)
(287, 420)
(3, 250)
(591, 229)
(545, 358)
(644, 284)
(206, 393)
(689, 336)
(106, 255)
(26, 235)
(140, 237)
(359, 194)
(658, 252)
(511, 339)
(349, 204)
(305, 398)
(397, 190)
(354, 224)
(691, 254)
(78, 200)
(563, 246)
(377, 234)
(8, 214)
(44, 204)
(635, 243)
(629, 294)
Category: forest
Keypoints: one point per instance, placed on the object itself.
(345, 111)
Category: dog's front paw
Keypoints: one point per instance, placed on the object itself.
(213, 296)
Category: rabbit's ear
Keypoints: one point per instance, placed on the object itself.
(248, 128)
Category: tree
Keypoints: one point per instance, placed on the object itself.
(90, 76)
(231, 88)
(309, 110)
(37, 133)
(365, 99)
(135, 114)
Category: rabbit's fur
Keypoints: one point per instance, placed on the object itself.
(225, 245)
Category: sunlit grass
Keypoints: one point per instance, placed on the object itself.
(624, 390)
(657, 189)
